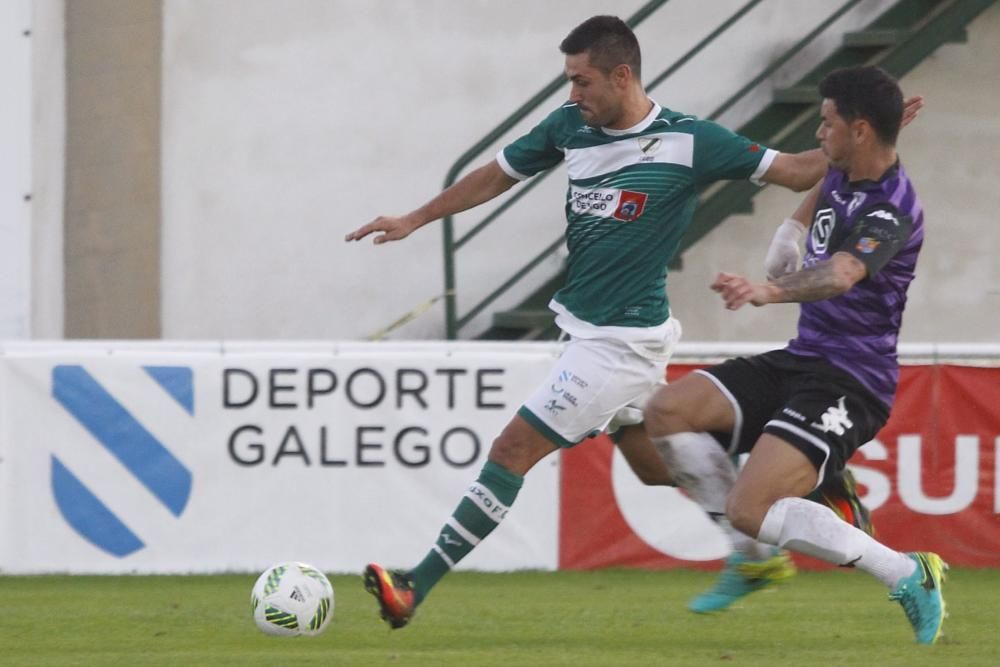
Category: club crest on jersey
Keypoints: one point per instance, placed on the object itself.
(649, 145)
(630, 205)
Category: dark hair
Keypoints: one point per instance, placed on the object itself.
(868, 93)
(608, 42)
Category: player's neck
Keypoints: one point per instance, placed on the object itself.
(636, 107)
(872, 165)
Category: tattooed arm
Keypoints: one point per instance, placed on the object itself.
(820, 281)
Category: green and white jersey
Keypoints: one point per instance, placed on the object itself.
(631, 197)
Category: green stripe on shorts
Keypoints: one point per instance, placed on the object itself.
(543, 428)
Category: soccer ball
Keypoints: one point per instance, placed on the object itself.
(292, 599)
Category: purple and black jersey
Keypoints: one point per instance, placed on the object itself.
(880, 223)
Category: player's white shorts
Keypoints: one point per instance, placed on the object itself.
(595, 380)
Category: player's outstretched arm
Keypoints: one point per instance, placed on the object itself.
(474, 188)
(801, 171)
(822, 280)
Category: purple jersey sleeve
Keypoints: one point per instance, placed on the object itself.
(879, 234)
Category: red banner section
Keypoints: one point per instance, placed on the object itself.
(931, 478)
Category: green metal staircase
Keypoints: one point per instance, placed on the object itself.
(897, 41)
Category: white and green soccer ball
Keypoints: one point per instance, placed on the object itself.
(292, 599)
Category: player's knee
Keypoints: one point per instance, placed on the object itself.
(506, 452)
(518, 448)
(650, 476)
(658, 415)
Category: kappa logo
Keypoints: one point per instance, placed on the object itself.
(883, 215)
(125, 438)
(835, 419)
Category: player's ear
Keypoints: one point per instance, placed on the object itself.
(861, 131)
(621, 74)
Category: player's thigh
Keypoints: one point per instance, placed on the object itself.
(692, 403)
(827, 416)
(590, 382)
(753, 388)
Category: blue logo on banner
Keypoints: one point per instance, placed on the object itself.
(127, 440)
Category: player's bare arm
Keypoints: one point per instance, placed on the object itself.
(822, 280)
(478, 186)
(797, 171)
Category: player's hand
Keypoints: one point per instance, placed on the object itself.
(911, 107)
(784, 254)
(737, 291)
(391, 228)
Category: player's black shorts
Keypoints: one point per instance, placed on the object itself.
(806, 401)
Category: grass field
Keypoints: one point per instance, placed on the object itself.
(614, 617)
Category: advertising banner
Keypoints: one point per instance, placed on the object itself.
(147, 459)
(931, 477)
(161, 458)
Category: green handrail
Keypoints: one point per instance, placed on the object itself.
(780, 62)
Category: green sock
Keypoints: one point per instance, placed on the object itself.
(481, 510)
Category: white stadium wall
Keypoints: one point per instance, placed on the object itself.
(15, 169)
(284, 128)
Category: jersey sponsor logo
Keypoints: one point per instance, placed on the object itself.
(867, 245)
(625, 205)
(630, 205)
(822, 229)
(835, 419)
